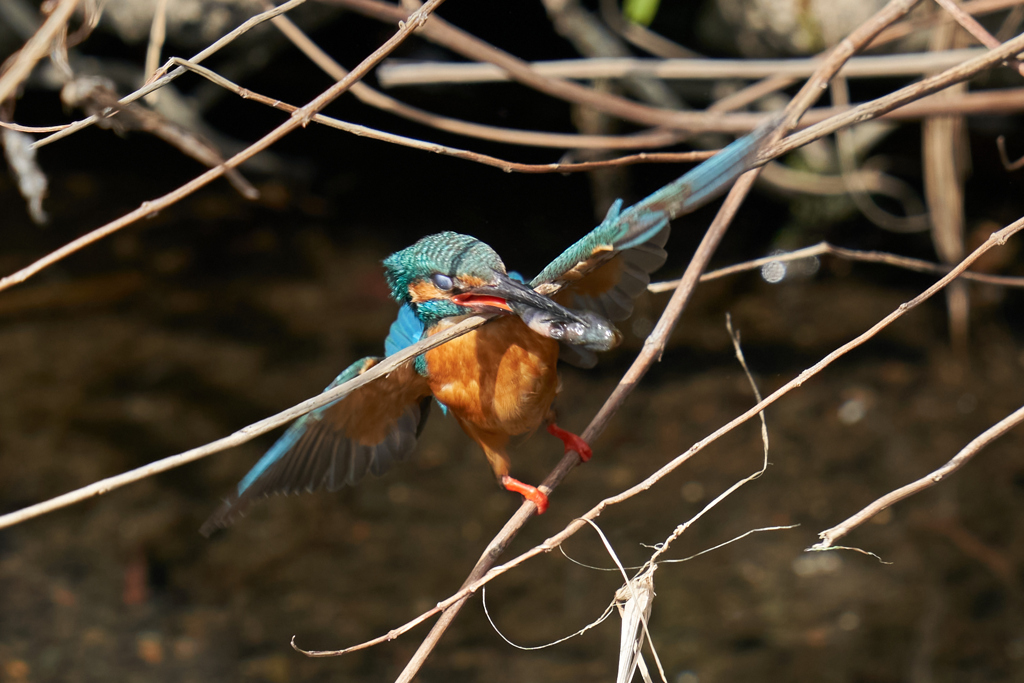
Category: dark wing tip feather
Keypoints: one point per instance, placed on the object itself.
(315, 453)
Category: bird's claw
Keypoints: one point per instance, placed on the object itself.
(572, 442)
(530, 493)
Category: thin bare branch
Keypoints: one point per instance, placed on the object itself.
(435, 148)
(395, 73)
(165, 78)
(1005, 158)
(473, 48)
(977, 30)
(32, 129)
(157, 35)
(824, 248)
(37, 47)
(243, 435)
(299, 118)
(830, 536)
(377, 99)
(899, 98)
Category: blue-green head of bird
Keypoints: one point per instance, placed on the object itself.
(449, 274)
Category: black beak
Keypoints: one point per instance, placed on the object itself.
(509, 295)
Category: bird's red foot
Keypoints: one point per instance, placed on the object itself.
(530, 493)
(572, 442)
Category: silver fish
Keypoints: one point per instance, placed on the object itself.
(594, 333)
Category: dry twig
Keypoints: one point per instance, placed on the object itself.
(824, 248)
(162, 78)
(830, 536)
(36, 48)
(299, 118)
(395, 73)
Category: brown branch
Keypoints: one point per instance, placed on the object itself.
(1005, 158)
(165, 78)
(299, 118)
(157, 36)
(830, 536)
(33, 129)
(899, 98)
(977, 30)
(37, 47)
(377, 99)
(243, 435)
(404, 73)
(916, 25)
(435, 148)
(824, 248)
(473, 48)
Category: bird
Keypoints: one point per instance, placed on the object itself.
(500, 379)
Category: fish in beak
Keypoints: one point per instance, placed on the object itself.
(542, 315)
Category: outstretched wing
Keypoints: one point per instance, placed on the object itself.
(367, 431)
(606, 270)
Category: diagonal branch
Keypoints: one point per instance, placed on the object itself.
(894, 100)
(977, 30)
(35, 49)
(830, 536)
(166, 78)
(473, 48)
(825, 248)
(299, 118)
(248, 433)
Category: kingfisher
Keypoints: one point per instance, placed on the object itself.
(500, 379)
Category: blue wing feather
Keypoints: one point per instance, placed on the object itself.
(610, 266)
(621, 230)
(297, 429)
(316, 451)
(405, 331)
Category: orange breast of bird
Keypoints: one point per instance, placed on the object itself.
(499, 379)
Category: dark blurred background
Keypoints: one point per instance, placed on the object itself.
(219, 311)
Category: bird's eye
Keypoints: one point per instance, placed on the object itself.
(441, 281)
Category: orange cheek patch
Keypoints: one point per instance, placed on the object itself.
(424, 291)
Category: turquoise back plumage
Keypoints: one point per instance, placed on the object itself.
(647, 220)
(637, 236)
